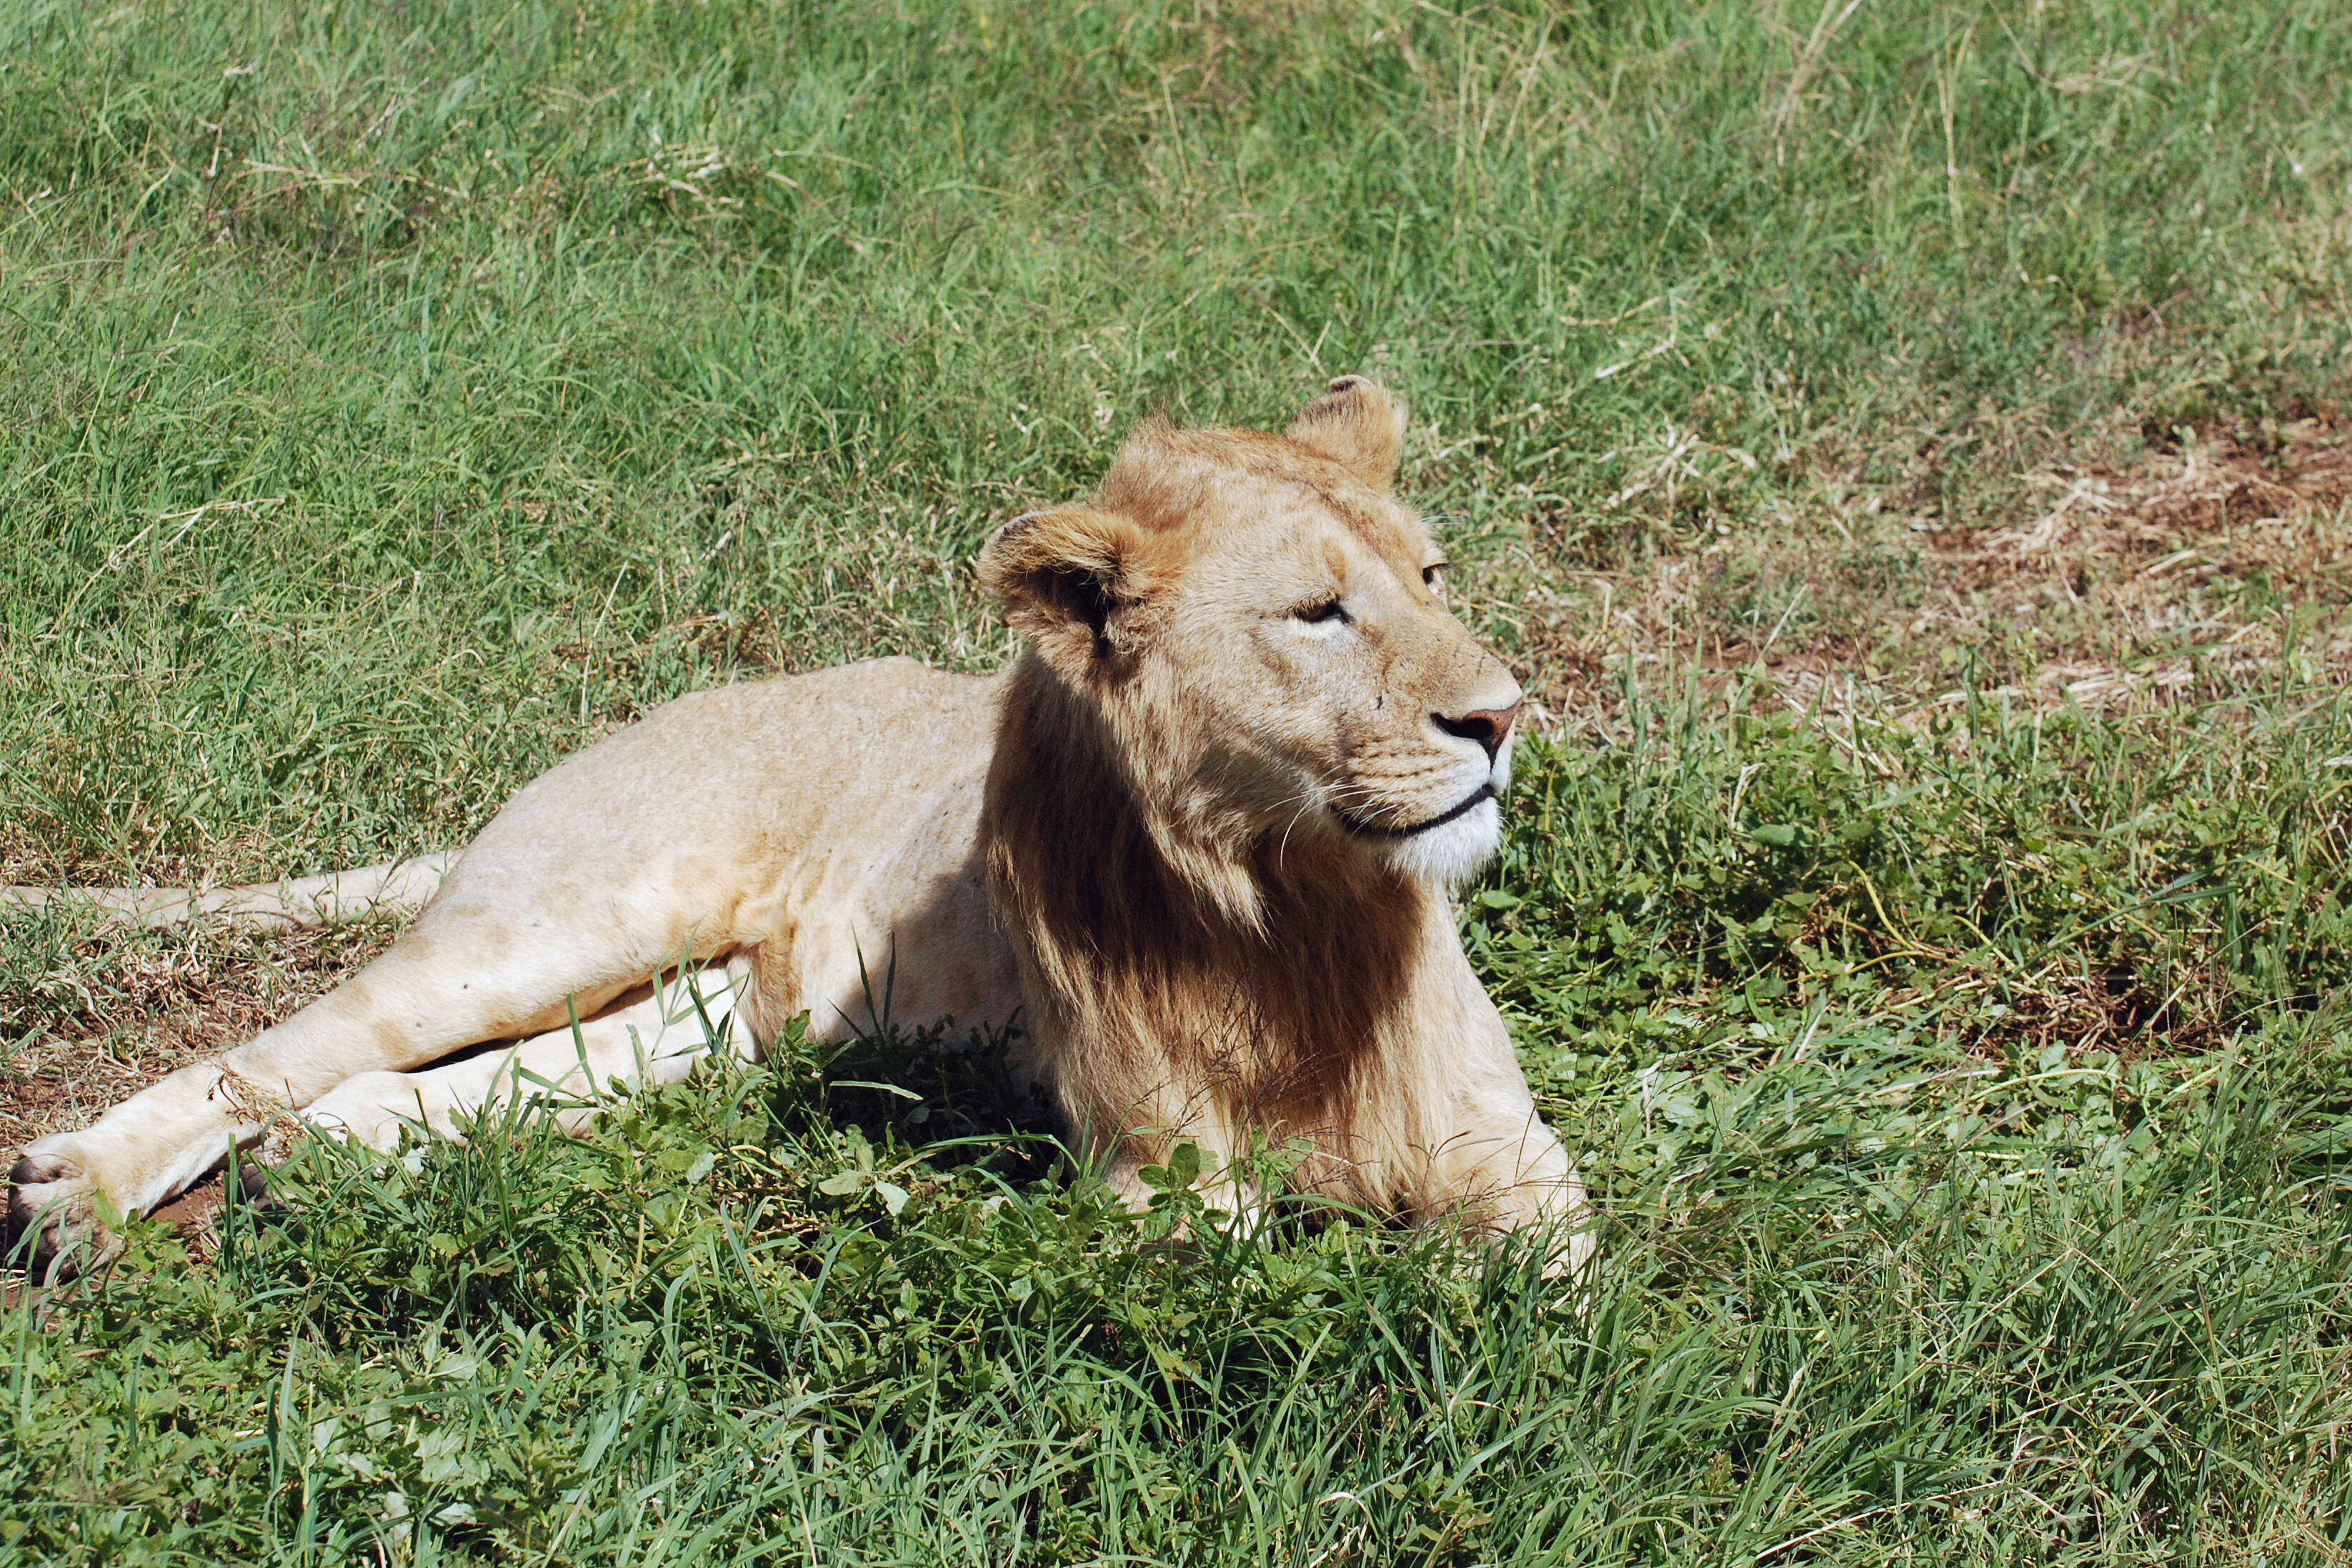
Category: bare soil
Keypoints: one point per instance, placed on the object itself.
(2180, 575)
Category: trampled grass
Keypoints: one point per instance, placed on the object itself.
(1900, 442)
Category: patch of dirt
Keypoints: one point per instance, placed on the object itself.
(193, 1210)
(2180, 575)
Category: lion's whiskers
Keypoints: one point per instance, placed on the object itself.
(1312, 795)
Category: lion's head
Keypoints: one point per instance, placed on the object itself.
(1261, 628)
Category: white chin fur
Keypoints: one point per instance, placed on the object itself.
(1453, 854)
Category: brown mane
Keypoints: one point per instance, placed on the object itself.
(1285, 1018)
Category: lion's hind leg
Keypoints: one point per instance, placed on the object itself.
(657, 1040)
(515, 958)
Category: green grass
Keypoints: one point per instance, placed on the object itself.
(399, 396)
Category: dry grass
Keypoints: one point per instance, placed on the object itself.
(2187, 574)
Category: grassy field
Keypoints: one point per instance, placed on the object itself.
(1902, 443)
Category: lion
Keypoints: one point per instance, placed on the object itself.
(1200, 843)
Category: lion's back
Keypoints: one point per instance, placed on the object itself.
(766, 770)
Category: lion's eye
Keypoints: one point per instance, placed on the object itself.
(1434, 576)
(1317, 614)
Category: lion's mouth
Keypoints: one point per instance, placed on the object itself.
(1461, 807)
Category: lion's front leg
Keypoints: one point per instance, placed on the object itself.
(1503, 1168)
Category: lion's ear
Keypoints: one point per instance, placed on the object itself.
(1067, 578)
(1356, 424)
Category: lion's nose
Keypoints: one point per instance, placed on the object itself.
(1489, 726)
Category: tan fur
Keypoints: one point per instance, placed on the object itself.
(1220, 808)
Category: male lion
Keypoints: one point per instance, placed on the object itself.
(1202, 836)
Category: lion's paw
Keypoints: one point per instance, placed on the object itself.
(55, 1228)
